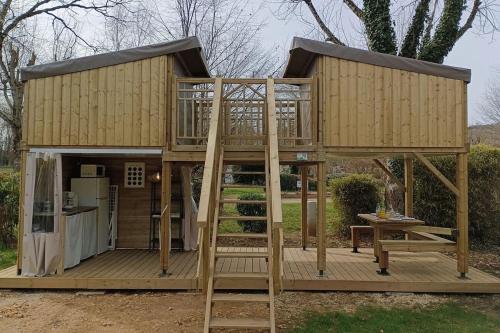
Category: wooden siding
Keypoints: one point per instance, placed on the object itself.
(373, 106)
(122, 105)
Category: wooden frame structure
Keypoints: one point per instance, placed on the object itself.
(332, 102)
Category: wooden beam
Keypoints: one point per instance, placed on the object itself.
(321, 218)
(390, 174)
(166, 195)
(437, 173)
(304, 190)
(462, 215)
(408, 175)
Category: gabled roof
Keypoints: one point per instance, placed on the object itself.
(304, 51)
(187, 50)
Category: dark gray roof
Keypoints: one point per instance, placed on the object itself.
(188, 51)
(304, 51)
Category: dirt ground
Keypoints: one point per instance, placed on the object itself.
(23, 311)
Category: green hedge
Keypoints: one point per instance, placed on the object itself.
(436, 205)
(9, 207)
(252, 210)
(354, 194)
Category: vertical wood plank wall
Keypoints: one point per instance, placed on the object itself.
(373, 106)
(120, 105)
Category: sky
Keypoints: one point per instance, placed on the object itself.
(480, 53)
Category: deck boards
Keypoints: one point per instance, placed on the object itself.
(139, 269)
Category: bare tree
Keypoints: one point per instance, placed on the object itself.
(228, 30)
(14, 18)
(422, 29)
(490, 106)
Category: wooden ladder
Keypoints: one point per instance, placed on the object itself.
(249, 299)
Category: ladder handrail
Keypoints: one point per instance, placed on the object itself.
(209, 185)
(275, 186)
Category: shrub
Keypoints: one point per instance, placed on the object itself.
(436, 205)
(288, 182)
(252, 210)
(352, 195)
(9, 207)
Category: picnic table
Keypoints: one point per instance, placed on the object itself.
(380, 225)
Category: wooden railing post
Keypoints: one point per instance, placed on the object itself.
(166, 194)
(462, 215)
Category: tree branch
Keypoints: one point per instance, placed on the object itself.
(468, 24)
(329, 34)
(355, 9)
(412, 38)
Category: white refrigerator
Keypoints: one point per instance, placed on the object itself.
(95, 192)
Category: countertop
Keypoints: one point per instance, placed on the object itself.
(78, 210)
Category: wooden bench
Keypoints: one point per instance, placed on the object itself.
(356, 232)
(420, 239)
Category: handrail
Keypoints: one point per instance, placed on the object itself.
(209, 185)
(275, 186)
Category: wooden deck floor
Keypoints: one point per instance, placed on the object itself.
(138, 269)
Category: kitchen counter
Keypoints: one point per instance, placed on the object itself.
(78, 210)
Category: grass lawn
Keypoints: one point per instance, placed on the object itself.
(444, 318)
(291, 218)
(7, 257)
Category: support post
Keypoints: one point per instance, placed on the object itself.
(20, 229)
(321, 219)
(408, 166)
(166, 195)
(304, 190)
(462, 215)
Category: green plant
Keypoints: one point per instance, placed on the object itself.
(9, 207)
(436, 205)
(352, 195)
(288, 182)
(252, 210)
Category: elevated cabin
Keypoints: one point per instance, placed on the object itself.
(149, 115)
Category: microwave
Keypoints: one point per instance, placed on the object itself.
(92, 170)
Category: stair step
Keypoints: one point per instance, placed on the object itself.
(242, 186)
(237, 201)
(243, 218)
(236, 275)
(244, 173)
(241, 254)
(247, 323)
(257, 298)
(243, 235)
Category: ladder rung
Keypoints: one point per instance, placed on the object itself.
(242, 186)
(243, 218)
(244, 173)
(241, 255)
(243, 235)
(258, 298)
(237, 201)
(242, 323)
(245, 276)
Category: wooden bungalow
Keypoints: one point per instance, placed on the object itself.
(109, 143)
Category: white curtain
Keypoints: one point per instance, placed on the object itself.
(41, 244)
(190, 227)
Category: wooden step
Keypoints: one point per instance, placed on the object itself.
(242, 323)
(242, 186)
(245, 276)
(243, 235)
(225, 297)
(244, 173)
(238, 201)
(241, 254)
(243, 218)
